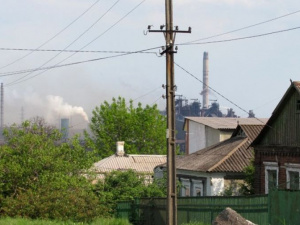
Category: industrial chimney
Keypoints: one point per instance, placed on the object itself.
(64, 126)
(205, 80)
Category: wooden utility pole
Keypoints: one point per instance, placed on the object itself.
(170, 95)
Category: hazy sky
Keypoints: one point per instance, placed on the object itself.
(254, 73)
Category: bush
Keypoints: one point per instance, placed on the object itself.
(42, 178)
(75, 202)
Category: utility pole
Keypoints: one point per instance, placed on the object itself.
(169, 34)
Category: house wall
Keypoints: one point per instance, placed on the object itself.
(280, 144)
(212, 183)
(200, 136)
(285, 130)
(281, 156)
(196, 137)
(225, 134)
(212, 136)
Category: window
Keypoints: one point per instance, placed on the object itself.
(197, 187)
(292, 176)
(272, 179)
(186, 187)
(298, 105)
(271, 176)
(294, 180)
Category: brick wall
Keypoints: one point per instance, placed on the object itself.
(280, 155)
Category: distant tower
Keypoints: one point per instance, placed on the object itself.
(205, 80)
(64, 125)
(2, 113)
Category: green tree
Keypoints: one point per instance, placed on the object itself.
(124, 186)
(42, 178)
(142, 128)
(248, 187)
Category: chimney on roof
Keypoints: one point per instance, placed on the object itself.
(120, 148)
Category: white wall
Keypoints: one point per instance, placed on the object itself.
(196, 136)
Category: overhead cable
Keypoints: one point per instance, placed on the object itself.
(243, 28)
(46, 42)
(241, 38)
(20, 79)
(214, 90)
(66, 50)
(73, 63)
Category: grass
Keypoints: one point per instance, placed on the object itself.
(194, 223)
(21, 221)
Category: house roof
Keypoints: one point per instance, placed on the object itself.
(295, 85)
(139, 163)
(220, 123)
(231, 155)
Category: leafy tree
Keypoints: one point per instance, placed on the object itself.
(247, 188)
(42, 178)
(142, 129)
(124, 186)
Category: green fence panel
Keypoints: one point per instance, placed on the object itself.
(284, 207)
(124, 210)
(202, 209)
(206, 209)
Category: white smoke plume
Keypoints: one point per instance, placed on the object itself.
(57, 105)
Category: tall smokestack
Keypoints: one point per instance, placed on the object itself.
(205, 80)
(64, 126)
(2, 113)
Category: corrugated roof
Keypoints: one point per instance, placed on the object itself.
(231, 155)
(227, 123)
(139, 163)
(206, 159)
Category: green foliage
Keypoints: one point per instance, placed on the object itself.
(142, 129)
(247, 188)
(194, 223)
(42, 178)
(125, 186)
(100, 221)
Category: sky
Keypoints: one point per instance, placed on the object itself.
(252, 73)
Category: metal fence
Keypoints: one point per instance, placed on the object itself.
(204, 209)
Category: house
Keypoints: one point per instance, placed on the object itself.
(143, 164)
(209, 171)
(277, 148)
(202, 132)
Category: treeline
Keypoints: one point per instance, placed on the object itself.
(42, 177)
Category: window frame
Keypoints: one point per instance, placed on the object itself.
(291, 167)
(270, 166)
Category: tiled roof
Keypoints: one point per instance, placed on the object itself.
(139, 163)
(231, 155)
(225, 122)
(205, 160)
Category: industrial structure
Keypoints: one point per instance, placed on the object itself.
(64, 125)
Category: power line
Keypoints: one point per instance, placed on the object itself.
(71, 64)
(76, 39)
(215, 90)
(127, 53)
(241, 38)
(243, 28)
(20, 79)
(65, 50)
(46, 42)
(146, 94)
